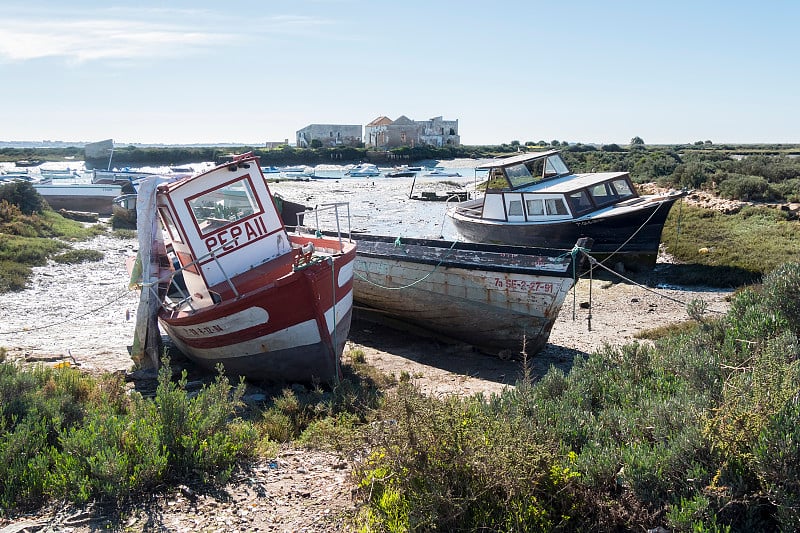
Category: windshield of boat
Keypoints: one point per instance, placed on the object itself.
(224, 205)
(555, 167)
(527, 172)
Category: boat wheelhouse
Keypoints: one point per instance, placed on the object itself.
(534, 199)
(266, 304)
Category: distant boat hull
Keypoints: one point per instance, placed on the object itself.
(401, 174)
(488, 296)
(80, 197)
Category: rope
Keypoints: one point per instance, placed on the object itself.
(423, 278)
(593, 261)
(68, 319)
(633, 234)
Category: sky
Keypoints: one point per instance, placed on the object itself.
(247, 72)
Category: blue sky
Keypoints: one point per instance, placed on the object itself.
(248, 72)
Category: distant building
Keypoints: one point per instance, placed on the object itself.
(329, 135)
(384, 133)
(271, 145)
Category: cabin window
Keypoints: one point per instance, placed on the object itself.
(496, 180)
(623, 188)
(535, 207)
(603, 193)
(518, 175)
(555, 206)
(536, 168)
(515, 208)
(580, 202)
(555, 167)
(224, 205)
(169, 223)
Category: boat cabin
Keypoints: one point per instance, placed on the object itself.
(539, 187)
(221, 224)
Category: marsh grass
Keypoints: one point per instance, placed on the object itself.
(722, 250)
(678, 328)
(123, 233)
(73, 257)
(28, 240)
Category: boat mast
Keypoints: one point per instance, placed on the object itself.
(110, 156)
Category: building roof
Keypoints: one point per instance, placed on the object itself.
(380, 121)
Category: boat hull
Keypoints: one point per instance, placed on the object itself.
(633, 236)
(272, 333)
(93, 198)
(492, 297)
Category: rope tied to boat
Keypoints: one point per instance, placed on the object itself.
(423, 278)
(70, 319)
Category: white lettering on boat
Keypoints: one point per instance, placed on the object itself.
(523, 285)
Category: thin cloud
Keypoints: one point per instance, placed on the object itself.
(121, 34)
(97, 39)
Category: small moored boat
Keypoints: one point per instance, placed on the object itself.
(535, 200)
(75, 195)
(363, 170)
(442, 173)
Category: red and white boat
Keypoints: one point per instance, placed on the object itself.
(266, 304)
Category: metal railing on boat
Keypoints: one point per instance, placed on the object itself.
(322, 208)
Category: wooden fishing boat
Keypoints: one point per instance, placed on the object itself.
(535, 200)
(490, 296)
(266, 304)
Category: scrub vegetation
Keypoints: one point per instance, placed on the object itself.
(31, 233)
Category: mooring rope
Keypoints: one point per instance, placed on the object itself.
(632, 235)
(593, 261)
(70, 319)
(398, 243)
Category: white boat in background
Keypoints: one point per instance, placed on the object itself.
(363, 170)
(297, 171)
(294, 168)
(74, 195)
(128, 179)
(442, 173)
(57, 173)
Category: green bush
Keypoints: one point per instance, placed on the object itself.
(69, 436)
(23, 195)
(746, 188)
(73, 257)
